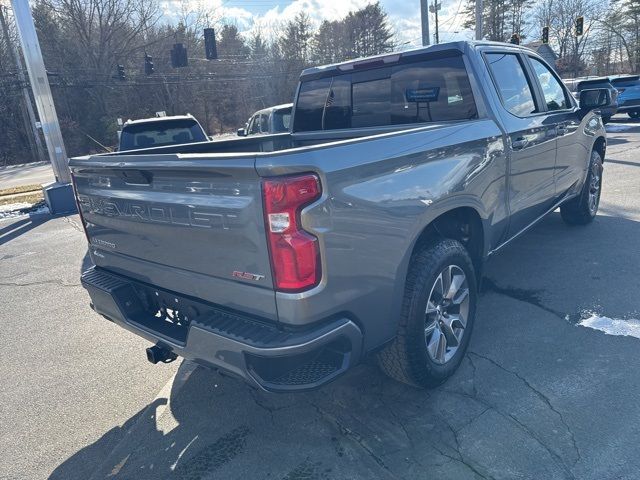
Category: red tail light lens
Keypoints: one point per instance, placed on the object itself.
(295, 257)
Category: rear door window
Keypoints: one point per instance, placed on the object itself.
(418, 92)
(511, 83)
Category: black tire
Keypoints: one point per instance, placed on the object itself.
(634, 114)
(407, 359)
(582, 209)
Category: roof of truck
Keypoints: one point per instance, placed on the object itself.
(392, 57)
(188, 116)
(274, 108)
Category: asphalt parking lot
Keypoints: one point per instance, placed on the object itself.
(537, 396)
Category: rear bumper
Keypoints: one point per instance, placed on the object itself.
(261, 353)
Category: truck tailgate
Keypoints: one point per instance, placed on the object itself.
(190, 225)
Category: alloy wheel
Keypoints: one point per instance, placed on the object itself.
(446, 314)
(594, 188)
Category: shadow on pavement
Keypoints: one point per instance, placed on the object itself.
(536, 396)
(21, 226)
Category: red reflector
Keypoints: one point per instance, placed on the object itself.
(294, 252)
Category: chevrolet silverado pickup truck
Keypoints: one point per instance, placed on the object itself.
(285, 259)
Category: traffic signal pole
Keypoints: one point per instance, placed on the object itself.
(59, 196)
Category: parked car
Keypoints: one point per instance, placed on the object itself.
(160, 132)
(268, 121)
(577, 85)
(628, 87)
(285, 259)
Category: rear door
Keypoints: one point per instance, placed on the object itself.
(563, 113)
(532, 138)
(192, 225)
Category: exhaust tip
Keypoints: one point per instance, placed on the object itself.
(157, 354)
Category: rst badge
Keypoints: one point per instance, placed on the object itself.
(247, 276)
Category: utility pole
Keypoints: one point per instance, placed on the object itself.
(424, 16)
(433, 8)
(29, 117)
(41, 90)
(479, 8)
(59, 195)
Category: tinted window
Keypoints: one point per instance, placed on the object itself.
(310, 106)
(160, 133)
(264, 123)
(282, 120)
(371, 103)
(254, 125)
(554, 95)
(625, 82)
(433, 91)
(511, 83)
(427, 91)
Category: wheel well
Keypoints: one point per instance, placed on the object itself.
(462, 224)
(600, 146)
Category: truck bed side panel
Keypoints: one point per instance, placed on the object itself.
(378, 195)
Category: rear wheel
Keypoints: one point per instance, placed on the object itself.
(437, 317)
(634, 114)
(583, 208)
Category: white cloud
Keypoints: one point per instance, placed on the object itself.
(404, 15)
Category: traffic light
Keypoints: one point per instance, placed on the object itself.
(179, 56)
(148, 65)
(210, 48)
(545, 34)
(579, 26)
(515, 39)
(121, 75)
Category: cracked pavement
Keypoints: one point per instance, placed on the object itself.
(536, 396)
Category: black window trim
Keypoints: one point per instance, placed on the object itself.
(567, 95)
(526, 68)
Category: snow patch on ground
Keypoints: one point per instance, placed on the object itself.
(14, 210)
(612, 326)
(620, 127)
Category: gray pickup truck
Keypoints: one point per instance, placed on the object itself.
(286, 259)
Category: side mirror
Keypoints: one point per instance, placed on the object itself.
(242, 132)
(594, 98)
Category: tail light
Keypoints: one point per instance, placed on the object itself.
(294, 253)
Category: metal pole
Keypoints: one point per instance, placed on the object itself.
(479, 8)
(30, 118)
(41, 91)
(424, 15)
(436, 7)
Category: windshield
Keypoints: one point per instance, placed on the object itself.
(423, 91)
(161, 133)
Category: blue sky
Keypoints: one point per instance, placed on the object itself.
(268, 14)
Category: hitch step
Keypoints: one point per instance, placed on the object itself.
(157, 354)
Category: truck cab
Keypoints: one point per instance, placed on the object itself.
(160, 132)
(270, 120)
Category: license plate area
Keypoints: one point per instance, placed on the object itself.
(159, 311)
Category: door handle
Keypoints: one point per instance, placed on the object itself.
(519, 143)
(561, 130)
